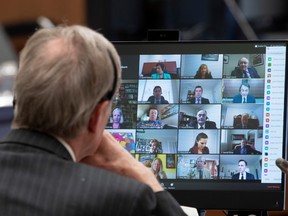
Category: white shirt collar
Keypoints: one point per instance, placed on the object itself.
(68, 147)
(199, 126)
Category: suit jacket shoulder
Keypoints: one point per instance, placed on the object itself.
(236, 150)
(47, 167)
(210, 125)
(151, 99)
(163, 101)
(249, 176)
(205, 101)
(237, 98)
(253, 72)
(235, 176)
(251, 99)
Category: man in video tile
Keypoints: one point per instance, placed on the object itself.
(244, 71)
(243, 174)
(202, 121)
(199, 171)
(198, 99)
(157, 97)
(245, 148)
(244, 96)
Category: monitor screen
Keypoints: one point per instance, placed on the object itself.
(208, 118)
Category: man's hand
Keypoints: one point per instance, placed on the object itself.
(282, 164)
(113, 157)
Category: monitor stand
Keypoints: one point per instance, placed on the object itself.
(248, 213)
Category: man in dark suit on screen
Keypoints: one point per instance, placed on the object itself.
(198, 99)
(242, 174)
(244, 71)
(244, 96)
(157, 97)
(244, 148)
(57, 159)
(202, 121)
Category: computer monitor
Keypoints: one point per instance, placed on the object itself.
(210, 112)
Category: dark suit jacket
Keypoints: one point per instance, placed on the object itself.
(208, 125)
(238, 99)
(203, 100)
(207, 75)
(249, 176)
(239, 74)
(252, 124)
(38, 177)
(151, 99)
(249, 150)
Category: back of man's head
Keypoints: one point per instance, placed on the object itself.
(64, 72)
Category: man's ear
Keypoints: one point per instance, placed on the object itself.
(99, 116)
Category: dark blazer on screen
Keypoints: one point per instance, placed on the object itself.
(151, 99)
(208, 125)
(249, 176)
(38, 177)
(238, 99)
(249, 150)
(240, 74)
(203, 100)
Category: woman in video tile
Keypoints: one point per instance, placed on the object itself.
(157, 169)
(117, 119)
(203, 72)
(200, 145)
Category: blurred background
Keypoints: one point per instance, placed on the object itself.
(130, 20)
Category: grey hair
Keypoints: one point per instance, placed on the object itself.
(243, 57)
(64, 72)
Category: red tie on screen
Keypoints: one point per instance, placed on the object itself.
(198, 100)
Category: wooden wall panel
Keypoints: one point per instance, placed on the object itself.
(15, 11)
